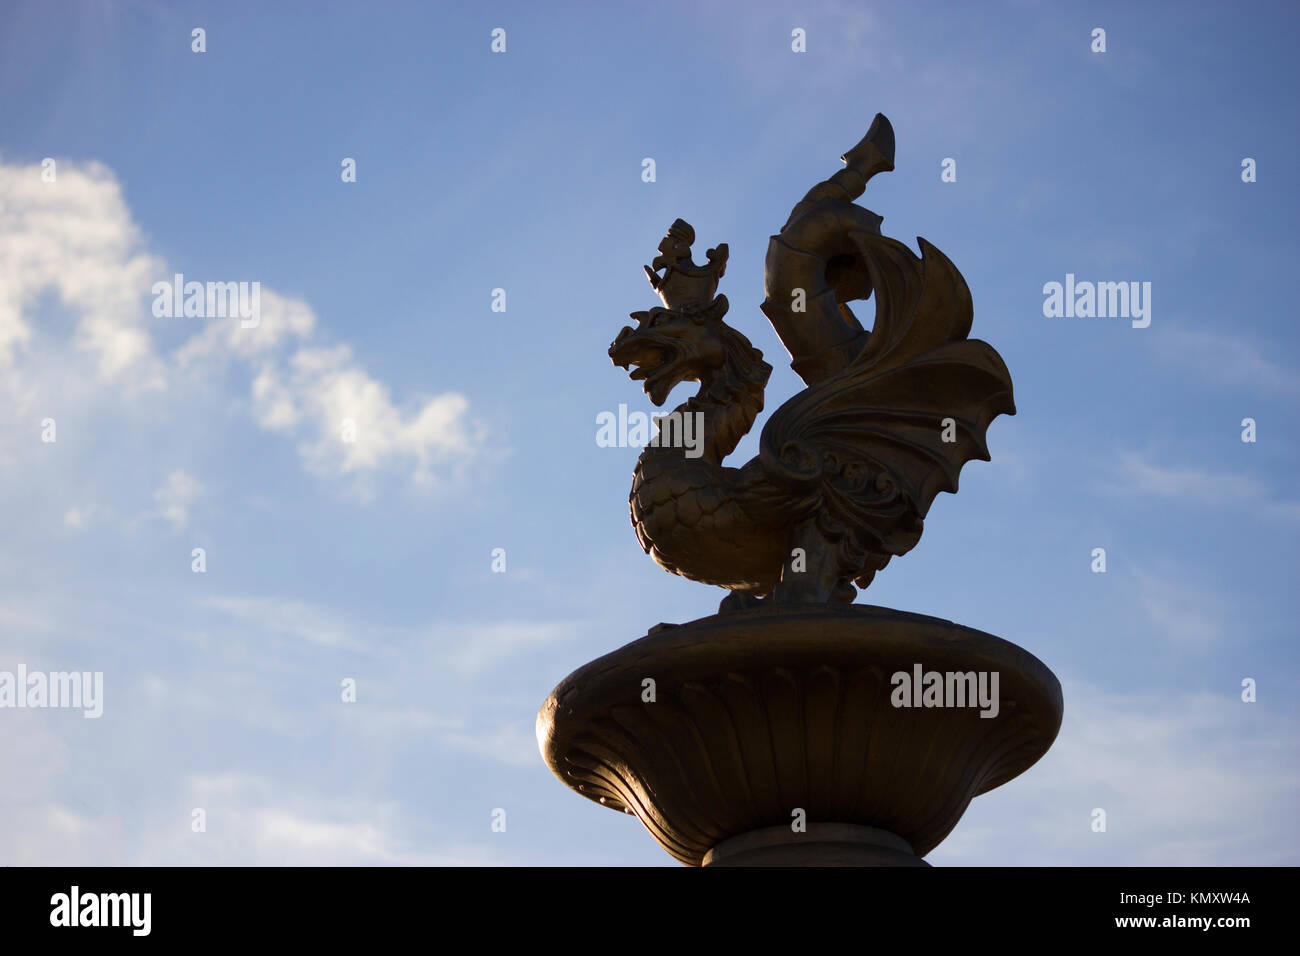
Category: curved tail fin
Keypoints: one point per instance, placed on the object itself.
(813, 267)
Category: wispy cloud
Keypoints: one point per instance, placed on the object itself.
(290, 618)
(1188, 614)
(1200, 486)
(76, 518)
(474, 647)
(248, 821)
(468, 648)
(1154, 763)
(1226, 359)
(174, 499)
(513, 744)
(310, 830)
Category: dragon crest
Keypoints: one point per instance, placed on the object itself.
(848, 467)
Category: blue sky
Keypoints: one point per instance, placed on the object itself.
(522, 171)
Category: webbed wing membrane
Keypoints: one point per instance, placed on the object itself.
(878, 440)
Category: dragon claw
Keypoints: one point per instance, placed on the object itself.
(736, 601)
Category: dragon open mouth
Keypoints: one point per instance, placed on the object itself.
(658, 364)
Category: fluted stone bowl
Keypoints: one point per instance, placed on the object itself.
(755, 716)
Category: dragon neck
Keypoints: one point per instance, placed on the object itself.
(729, 400)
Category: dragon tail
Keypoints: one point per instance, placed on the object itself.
(813, 268)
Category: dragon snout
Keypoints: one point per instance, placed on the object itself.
(619, 340)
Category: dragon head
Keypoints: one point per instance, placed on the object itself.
(686, 339)
(670, 346)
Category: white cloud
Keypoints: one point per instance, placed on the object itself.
(351, 426)
(282, 321)
(74, 238)
(175, 497)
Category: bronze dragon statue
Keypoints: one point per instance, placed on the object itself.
(848, 467)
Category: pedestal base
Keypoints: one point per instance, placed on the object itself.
(824, 844)
(720, 733)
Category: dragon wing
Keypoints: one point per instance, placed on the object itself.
(874, 443)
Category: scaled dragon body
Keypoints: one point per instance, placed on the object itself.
(848, 467)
